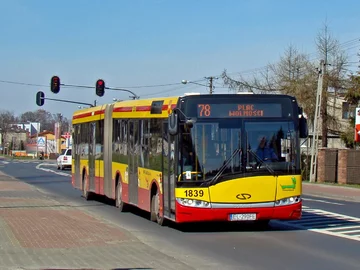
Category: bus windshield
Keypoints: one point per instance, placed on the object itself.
(271, 144)
(232, 147)
(207, 146)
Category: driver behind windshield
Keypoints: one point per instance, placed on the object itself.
(264, 151)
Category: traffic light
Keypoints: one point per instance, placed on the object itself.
(100, 87)
(40, 98)
(55, 84)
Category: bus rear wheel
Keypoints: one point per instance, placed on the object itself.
(119, 203)
(86, 194)
(155, 209)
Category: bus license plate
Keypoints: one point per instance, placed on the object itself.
(237, 217)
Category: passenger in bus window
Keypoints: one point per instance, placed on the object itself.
(188, 159)
(265, 152)
(287, 156)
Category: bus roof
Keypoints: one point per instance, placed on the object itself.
(159, 107)
(144, 108)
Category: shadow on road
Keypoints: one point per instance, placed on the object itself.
(205, 227)
(308, 221)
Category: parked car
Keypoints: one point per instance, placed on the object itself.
(64, 160)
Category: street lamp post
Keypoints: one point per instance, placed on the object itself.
(186, 82)
(211, 86)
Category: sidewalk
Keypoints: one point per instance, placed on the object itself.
(332, 191)
(37, 232)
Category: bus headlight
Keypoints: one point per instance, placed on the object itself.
(288, 201)
(193, 203)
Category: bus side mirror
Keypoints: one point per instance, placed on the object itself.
(303, 127)
(189, 123)
(173, 124)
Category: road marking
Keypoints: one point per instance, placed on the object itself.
(329, 223)
(321, 201)
(50, 170)
(4, 162)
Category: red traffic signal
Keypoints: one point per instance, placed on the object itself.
(55, 84)
(100, 87)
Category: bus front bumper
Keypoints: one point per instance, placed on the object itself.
(197, 214)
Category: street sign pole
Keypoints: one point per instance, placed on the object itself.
(37, 138)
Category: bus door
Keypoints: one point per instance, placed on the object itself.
(133, 143)
(76, 151)
(92, 156)
(169, 178)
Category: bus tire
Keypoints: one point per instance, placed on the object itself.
(118, 195)
(86, 194)
(155, 209)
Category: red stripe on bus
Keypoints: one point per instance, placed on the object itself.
(88, 114)
(143, 108)
(82, 115)
(99, 112)
(140, 108)
(123, 109)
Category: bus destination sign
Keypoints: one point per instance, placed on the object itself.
(239, 110)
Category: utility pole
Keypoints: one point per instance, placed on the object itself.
(315, 138)
(211, 85)
(58, 135)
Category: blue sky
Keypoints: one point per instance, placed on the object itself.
(150, 42)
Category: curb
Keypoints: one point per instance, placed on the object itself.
(333, 196)
(334, 186)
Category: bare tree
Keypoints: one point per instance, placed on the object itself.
(46, 120)
(7, 119)
(294, 75)
(335, 59)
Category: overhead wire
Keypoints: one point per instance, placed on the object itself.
(347, 45)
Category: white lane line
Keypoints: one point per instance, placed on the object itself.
(351, 231)
(50, 170)
(329, 223)
(321, 201)
(346, 227)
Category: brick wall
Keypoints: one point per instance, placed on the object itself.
(348, 166)
(327, 165)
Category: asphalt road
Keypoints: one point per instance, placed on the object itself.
(312, 243)
(337, 206)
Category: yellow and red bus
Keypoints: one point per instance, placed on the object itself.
(194, 158)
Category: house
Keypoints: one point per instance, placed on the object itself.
(46, 142)
(339, 112)
(14, 139)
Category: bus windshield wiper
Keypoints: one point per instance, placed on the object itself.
(223, 167)
(263, 162)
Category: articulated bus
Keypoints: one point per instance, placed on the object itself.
(194, 158)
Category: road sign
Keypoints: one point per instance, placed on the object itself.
(41, 141)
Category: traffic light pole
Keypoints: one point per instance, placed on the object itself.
(126, 90)
(135, 96)
(70, 101)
